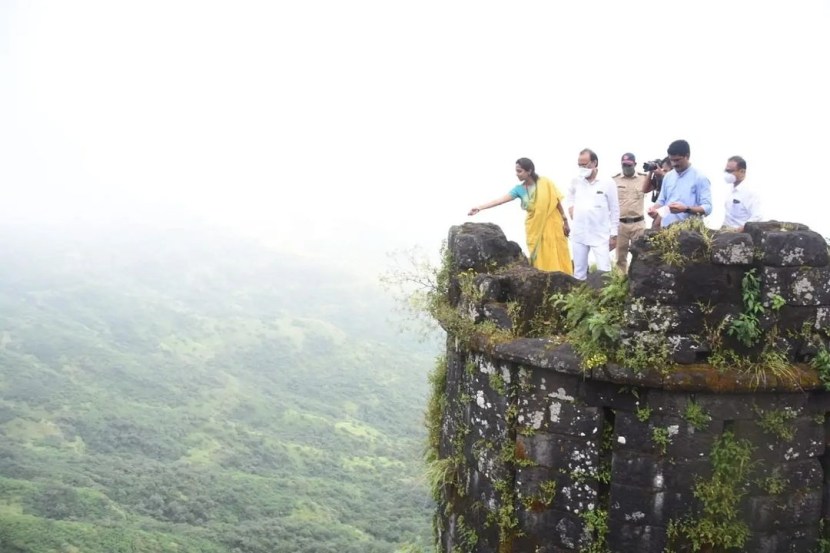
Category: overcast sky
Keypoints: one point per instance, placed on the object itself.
(318, 124)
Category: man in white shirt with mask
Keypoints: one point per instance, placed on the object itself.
(595, 210)
(743, 202)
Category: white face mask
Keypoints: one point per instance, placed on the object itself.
(729, 178)
(585, 172)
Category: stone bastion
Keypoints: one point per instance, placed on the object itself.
(681, 407)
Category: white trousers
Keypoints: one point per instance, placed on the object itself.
(601, 255)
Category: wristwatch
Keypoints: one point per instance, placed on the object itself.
(689, 210)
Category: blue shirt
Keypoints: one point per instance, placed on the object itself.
(521, 192)
(690, 188)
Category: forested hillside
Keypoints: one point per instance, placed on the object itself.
(191, 393)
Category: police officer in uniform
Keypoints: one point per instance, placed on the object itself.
(631, 187)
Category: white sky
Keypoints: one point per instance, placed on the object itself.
(360, 127)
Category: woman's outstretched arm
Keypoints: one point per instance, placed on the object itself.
(503, 200)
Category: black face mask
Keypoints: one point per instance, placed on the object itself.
(628, 171)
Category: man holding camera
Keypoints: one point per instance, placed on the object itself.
(657, 169)
(685, 190)
(630, 189)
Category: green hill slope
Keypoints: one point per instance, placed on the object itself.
(192, 394)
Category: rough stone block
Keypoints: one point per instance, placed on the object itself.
(614, 396)
(794, 477)
(561, 416)
(703, 282)
(691, 245)
(688, 349)
(558, 527)
(683, 441)
(612, 372)
(655, 473)
(732, 248)
(486, 459)
(627, 538)
(634, 342)
(538, 383)
(542, 353)
(484, 417)
(793, 248)
(818, 403)
(479, 488)
(490, 288)
(798, 286)
(721, 313)
(481, 247)
(497, 313)
(732, 406)
(475, 519)
(772, 447)
(532, 485)
(653, 281)
(646, 507)
(673, 404)
(642, 245)
(803, 539)
(777, 513)
(573, 493)
(539, 389)
(690, 378)
(675, 319)
(559, 452)
(531, 289)
(792, 318)
(757, 229)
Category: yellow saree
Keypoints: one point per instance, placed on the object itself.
(546, 241)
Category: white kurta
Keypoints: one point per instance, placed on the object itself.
(743, 204)
(596, 210)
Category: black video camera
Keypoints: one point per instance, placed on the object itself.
(652, 165)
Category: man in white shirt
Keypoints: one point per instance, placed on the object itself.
(595, 210)
(743, 202)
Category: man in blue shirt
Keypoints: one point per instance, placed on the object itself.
(685, 190)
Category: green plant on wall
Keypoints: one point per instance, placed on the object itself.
(821, 363)
(773, 484)
(543, 498)
(778, 423)
(777, 302)
(596, 524)
(746, 327)
(465, 535)
(717, 527)
(436, 407)
(593, 319)
(424, 294)
(648, 352)
(661, 438)
(696, 416)
(772, 361)
(667, 241)
(443, 473)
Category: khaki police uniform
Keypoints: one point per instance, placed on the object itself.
(632, 220)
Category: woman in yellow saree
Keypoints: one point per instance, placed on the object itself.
(546, 225)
